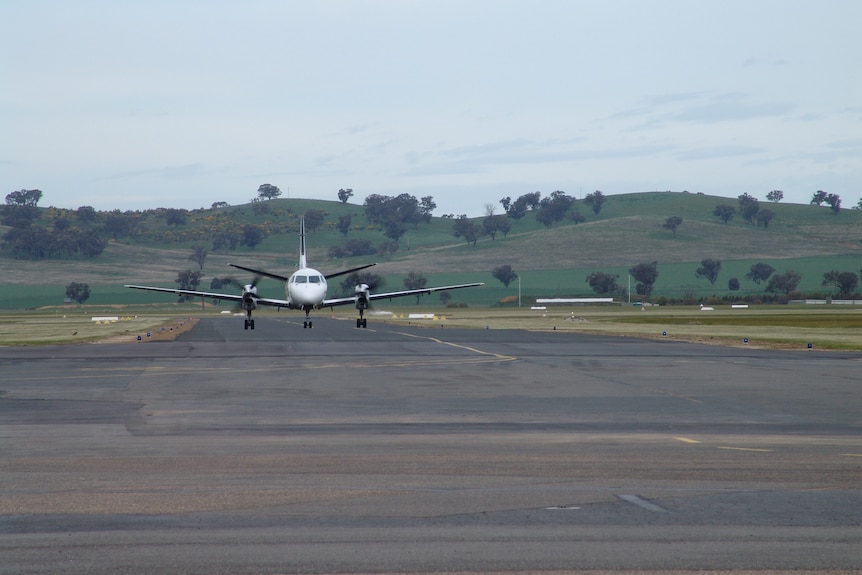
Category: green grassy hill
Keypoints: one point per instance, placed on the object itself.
(550, 261)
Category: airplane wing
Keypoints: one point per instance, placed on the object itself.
(394, 294)
(213, 295)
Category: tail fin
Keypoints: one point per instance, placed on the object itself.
(302, 263)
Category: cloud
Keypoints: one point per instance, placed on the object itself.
(731, 108)
(714, 152)
(168, 172)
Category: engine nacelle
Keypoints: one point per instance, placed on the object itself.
(249, 297)
(362, 291)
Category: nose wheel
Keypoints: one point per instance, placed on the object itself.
(361, 322)
(307, 323)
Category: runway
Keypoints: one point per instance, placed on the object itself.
(426, 449)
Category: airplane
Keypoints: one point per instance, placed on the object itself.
(305, 290)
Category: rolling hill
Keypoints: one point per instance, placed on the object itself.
(551, 261)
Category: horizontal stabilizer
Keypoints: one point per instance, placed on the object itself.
(260, 273)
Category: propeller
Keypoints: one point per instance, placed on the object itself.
(249, 294)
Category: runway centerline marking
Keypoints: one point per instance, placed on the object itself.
(496, 356)
(745, 449)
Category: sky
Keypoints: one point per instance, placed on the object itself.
(183, 103)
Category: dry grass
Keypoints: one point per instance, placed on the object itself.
(774, 327)
(47, 327)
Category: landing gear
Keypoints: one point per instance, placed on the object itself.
(361, 322)
(249, 323)
(307, 323)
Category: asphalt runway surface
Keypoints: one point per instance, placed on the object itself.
(410, 449)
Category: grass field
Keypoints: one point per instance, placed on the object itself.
(550, 261)
(786, 327)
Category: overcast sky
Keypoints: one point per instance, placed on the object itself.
(182, 103)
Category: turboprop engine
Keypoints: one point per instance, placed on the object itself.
(249, 297)
(249, 303)
(362, 292)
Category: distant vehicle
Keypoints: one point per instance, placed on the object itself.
(305, 290)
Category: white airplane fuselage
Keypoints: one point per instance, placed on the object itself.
(306, 288)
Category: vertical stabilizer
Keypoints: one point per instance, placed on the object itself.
(302, 263)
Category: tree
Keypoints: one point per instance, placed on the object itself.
(784, 283)
(495, 224)
(518, 209)
(445, 296)
(672, 223)
(577, 217)
(775, 196)
(393, 229)
(709, 269)
(86, 214)
(79, 292)
(426, 206)
(733, 284)
(553, 208)
(819, 197)
(595, 200)
(24, 198)
(415, 280)
(252, 235)
(760, 272)
(402, 209)
(645, 274)
(724, 212)
(464, 228)
(198, 255)
(834, 201)
(344, 224)
(188, 280)
(345, 194)
(748, 207)
(176, 217)
(764, 217)
(313, 219)
(603, 283)
(844, 282)
(225, 239)
(505, 274)
(268, 192)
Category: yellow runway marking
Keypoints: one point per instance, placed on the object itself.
(745, 449)
(686, 440)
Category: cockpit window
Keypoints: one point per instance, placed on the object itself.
(300, 279)
(314, 279)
